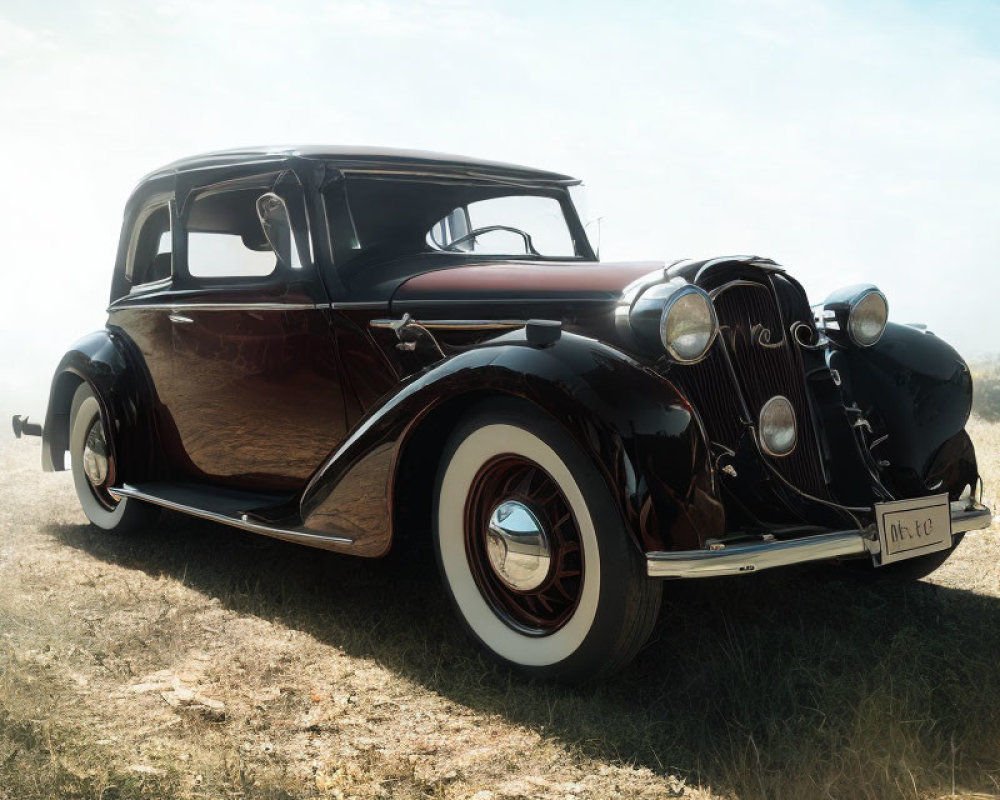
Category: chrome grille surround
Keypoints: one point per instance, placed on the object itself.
(754, 359)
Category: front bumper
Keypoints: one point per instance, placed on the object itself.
(739, 559)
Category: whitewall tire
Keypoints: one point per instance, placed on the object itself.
(532, 550)
(94, 470)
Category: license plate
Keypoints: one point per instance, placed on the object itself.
(910, 528)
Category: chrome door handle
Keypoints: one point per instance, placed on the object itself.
(179, 318)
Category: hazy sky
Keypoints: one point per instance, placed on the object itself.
(848, 141)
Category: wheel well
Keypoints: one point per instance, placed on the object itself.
(57, 421)
(417, 468)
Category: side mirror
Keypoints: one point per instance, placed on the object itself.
(277, 226)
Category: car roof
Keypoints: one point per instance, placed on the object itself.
(361, 159)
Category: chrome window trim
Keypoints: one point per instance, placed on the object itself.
(456, 176)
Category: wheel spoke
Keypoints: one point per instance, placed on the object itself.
(514, 479)
(551, 494)
(519, 481)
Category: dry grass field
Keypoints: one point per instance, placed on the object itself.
(196, 661)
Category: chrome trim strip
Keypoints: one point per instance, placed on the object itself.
(214, 306)
(739, 559)
(596, 297)
(455, 324)
(469, 173)
(361, 305)
(285, 534)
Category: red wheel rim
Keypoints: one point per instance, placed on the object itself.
(546, 608)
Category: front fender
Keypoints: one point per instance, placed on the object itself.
(917, 390)
(636, 426)
(104, 361)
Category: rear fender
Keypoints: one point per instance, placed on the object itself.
(102, 359)
(638, 429)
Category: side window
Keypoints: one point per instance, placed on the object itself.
(225, 238)
(151, 257)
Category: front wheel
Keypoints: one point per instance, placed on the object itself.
(532, 550)
(94, 470)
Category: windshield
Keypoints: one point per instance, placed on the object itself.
(393, 217)
(511, 225)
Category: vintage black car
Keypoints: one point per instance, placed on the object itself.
(359, 349)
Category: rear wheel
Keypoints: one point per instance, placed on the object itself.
(94, 470)
(532, 550)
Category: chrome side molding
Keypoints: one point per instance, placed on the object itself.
(740, 559)
(122, 304)
(453, 324)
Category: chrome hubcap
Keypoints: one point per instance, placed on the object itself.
(518, 546)
(95, 455)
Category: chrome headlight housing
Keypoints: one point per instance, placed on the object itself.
(777, 427)
(688, 325)
(674, 315)
(856, 315)
(867, 318)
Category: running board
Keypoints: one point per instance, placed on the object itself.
(227, 507)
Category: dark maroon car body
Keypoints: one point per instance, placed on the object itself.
(313, 403)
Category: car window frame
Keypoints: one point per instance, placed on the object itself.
(283, 182)
(148, 208)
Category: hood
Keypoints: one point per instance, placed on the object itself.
(583, 295)
(519, 289)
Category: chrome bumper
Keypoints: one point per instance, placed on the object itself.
(739, 559)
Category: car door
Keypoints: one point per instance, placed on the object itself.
(254, 390)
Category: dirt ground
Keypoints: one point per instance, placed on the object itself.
(198, 661)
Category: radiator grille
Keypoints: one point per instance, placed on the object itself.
(766, 362)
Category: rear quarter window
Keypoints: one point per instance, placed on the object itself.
(150, 254)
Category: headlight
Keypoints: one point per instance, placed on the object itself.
(867, 318)
(778, 434)
(688, 325)
(854, 315)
